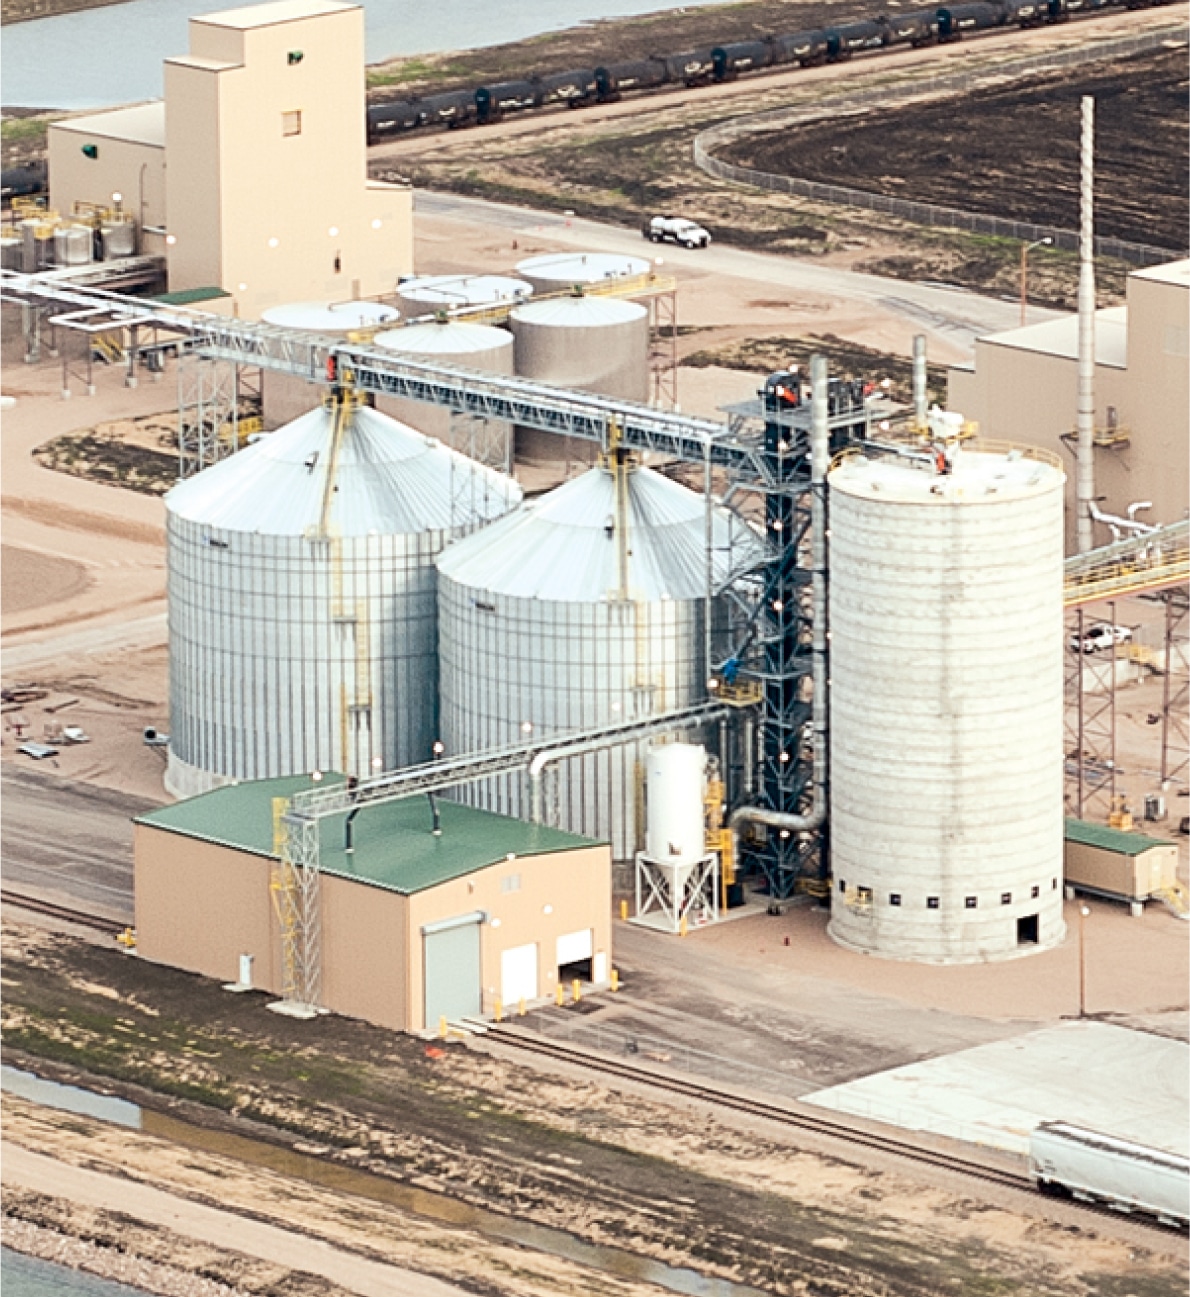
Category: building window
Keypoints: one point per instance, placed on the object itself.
(894, 898)
(863, 895)
(931, 902)
(971, 902)
(1035, 892)
(294, 57)
(291, 123)
(1005, 898)
(842, 885)
(510, 883)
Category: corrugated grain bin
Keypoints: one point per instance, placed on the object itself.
(1130, 866)
(946, 707)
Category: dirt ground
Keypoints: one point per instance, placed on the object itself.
(1013, 151)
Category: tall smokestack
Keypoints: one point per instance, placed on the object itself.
(1085, 481)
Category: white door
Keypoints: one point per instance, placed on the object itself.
(518, 974)
(575, 946)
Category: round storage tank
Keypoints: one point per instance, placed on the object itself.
(285, 397)
(72, 245)
(118, 237)
(454, 342)
(302, 612)
(677, 782)
(536, 641)
(946, 707)
(555, 272)
(596, 344)
(430, 293)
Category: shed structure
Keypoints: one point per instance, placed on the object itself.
(416, 926)
(1109, 862)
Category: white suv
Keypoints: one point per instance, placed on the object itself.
(678, 229)
(1100, 636)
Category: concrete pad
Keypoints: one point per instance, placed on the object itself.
(1107, 1078)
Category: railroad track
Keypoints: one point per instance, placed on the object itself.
(84, 918)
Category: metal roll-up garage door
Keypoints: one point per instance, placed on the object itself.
(453, 985)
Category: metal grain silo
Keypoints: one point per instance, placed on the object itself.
(454, 342)
(596, 344)
(555, 272)
(287, 396)
(946, 706)
(301, 593)
(541, 634)
(429, 293)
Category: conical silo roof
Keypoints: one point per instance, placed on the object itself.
(578, 312)
(562, 547)
(389, 480)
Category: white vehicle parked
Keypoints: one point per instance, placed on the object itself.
(1100, 636)
(677, 230)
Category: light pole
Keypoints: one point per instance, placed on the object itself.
(1083, 911)
(1026, 248)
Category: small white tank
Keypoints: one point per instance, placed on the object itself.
(676, 836)
(72, 245)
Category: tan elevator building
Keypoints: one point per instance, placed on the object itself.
(250, 177)
(416, 925)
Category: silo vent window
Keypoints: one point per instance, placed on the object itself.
(291, 123)
(1035, 892)
(1055, 886)
(971, 902)
(842, 885)
(1005, 898)
(894, 898)
(215, 543)
(931, 902)
(480, 606)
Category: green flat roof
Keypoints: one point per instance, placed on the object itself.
(1099, 835)
(185, 296)
(395, 847)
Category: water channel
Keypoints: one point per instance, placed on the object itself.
(113, 55)
(363, 1184)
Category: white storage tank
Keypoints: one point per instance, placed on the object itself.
(117, 236)
(556, 272)
(471, 346)
(302, 609)
(285, 397)
(535, 640)
(946, 706)
(677, 784)
(429, 293)
(595, 344)
(73, 245)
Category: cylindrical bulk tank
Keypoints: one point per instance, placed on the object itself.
(596, 344)
(454, 342)
(118, 235)
(37, 244)
(285, 397)
(302, 610)
(676, 837)
(946, 707)
(555, 272)
(536, 640)
(430, 293)
(72, 245)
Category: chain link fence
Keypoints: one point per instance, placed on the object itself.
(924, 88)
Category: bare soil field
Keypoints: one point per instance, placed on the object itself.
(1013, 151)
(611, 1168)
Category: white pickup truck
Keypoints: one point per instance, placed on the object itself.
(676, 229)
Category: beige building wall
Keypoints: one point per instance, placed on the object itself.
(130, 161)
(1023, 387)
(200, 907)
(365, 952)
(265, 134)
(574, 885)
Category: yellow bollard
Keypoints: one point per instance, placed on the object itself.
(615, 979)
(499, 1015)
(576, 991)
(442, 1026)
(624, 911)
(682, 927)
(521, 1008)
(559, 995)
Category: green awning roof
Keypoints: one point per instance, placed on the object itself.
(394, 844)
(188, 296)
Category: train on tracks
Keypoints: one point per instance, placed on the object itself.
(607, 83)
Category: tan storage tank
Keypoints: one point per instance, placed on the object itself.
(595, 344)
(1129, 867)
(469, 346)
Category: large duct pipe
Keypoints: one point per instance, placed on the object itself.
(1085, 481)
(820, 455)
(920, 385)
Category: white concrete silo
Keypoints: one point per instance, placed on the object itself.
(595, 344)
(287, 396)
(457, 343)
(536, 639)
(557, 272)
(302, 598)
(946, 707)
